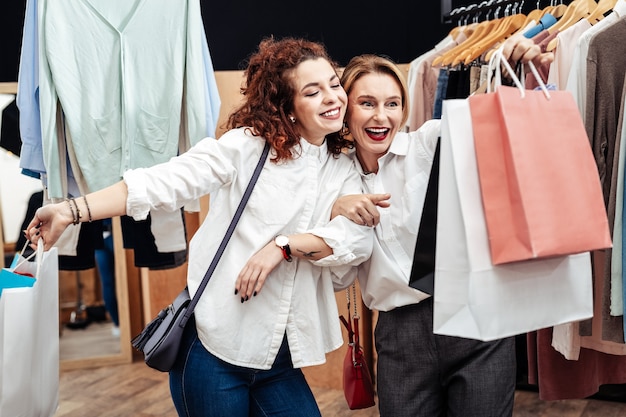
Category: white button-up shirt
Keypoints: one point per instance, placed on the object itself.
(295, 196)
(403, 172)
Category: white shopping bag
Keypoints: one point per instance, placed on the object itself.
(473, 298)
(29, 341)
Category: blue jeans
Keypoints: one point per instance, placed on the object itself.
(440, 94)
(205, 386)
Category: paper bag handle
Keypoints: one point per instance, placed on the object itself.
(495, 68)
(494, 65)
(38, 254)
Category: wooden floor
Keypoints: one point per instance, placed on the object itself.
(97, 336)
(134, 390)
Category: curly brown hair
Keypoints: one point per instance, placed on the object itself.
(269, 94)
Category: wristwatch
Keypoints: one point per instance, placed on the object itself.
(282, 242)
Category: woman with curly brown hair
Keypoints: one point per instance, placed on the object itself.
(269, 308)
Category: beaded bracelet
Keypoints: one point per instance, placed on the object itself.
(75, 218)
(78, 214)
(88, 209)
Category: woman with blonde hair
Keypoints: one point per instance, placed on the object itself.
(419, 373)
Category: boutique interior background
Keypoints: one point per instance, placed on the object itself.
(142, 293)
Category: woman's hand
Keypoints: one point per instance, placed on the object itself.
(256, 270)
(360, 208)
(52, 219)
(304, 246)
(49, 223)
(519, 48)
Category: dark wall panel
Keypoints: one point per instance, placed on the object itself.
(397, 28)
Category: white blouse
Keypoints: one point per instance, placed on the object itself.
(403, 172)
(295, 196)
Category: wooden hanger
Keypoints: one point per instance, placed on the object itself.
(601, 8)
(547, 9)
(569, 11)
(559, 10)
(533, 15)
(509, 26)
(476, 30)
(455, 31)
(576, 10)
(475, 42)
(458, 28)
(465, 28)
(479, 31)
(493, 48)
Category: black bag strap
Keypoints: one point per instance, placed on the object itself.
(229, 232)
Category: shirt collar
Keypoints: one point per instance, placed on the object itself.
(400, 144)
(320, 152)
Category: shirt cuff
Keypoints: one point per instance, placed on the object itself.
(351, 243)
(137, 205)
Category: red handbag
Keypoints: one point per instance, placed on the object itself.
(357, 381)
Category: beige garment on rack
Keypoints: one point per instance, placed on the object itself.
(423, 82)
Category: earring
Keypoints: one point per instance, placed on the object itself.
(345, 131)
(292, 119)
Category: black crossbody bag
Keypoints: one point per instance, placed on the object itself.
(160, 340)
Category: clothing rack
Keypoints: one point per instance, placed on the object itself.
(476, 11)
(489, 8)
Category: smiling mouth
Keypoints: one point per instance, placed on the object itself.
(331, 113)
(377, 133)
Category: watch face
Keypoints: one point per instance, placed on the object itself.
(281, 240)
